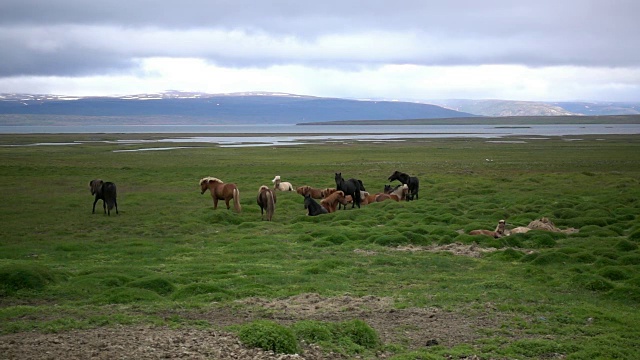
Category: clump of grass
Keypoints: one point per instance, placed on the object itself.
(635, 236)
(126, 295)
(632, 259)
(269, 336)
(158, 285)
(548, 258)
(211, 291)
(18, 277)
(390, 240)
(506, 255)
(347, 337)
(614, 273)
(626, 245)
(592, 282)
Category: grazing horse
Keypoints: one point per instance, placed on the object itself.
(332, 201)
(281, 185)
(350, 187)
(313, 208)
(267, 201)
(308, 190)
(221, 191)
(105, 191)
(411, 181)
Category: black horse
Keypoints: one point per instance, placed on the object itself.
(411, 181)
(350, 187)
(105, 191)
(313, 207)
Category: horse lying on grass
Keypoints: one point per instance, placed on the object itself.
(105, 191)
(267, 201)
(312, 207)
(308, 190)
(497, 233)
(221, 191)
(281, 185)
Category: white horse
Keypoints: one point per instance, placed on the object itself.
(281, 185)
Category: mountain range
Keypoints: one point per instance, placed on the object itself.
(267, 107)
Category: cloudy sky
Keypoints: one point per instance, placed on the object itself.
(406, 50)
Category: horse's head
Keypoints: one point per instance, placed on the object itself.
(338, 177)
(307, 201)
(387, 189)
(303, 190)
(276, 179)
(95, 186)
(204, 183)
(393, 176)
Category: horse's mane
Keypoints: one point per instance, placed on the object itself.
(263, 187)
(209, 178)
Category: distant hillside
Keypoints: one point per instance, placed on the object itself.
(535, 108)
(245, 108)
(496, 108)
(600, 108)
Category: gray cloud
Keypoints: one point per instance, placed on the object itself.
(79, 38)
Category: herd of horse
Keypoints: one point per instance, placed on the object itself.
(351, 191)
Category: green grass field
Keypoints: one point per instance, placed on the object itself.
(169, 252)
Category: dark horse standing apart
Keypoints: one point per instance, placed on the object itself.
(267, 201)
(411, 181)
(105, 191)
(350, 187)
(312, 206)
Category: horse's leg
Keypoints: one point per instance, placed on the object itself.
(215, 203)
(116, 204)
(104, 206)
(94, 206)
(226, 201)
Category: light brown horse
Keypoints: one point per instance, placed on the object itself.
(267, 201)
(315, 193)
(219, 190)
(332, 201)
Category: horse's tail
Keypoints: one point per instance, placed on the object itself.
(236, 200)
(109, 192)
(271, 205)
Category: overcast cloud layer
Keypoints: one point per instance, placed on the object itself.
(410, 50)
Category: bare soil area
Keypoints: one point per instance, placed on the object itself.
(413, 328)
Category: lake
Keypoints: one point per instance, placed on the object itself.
(267, 135)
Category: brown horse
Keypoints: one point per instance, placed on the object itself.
(105, 191)
(308, 190)
(332, 201)
(267, 201)
(219, 190)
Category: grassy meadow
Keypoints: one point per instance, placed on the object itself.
(168, 256)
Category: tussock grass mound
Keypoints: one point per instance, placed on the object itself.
(269, 336)
(158, 285)
(592, 282)
(18, 277)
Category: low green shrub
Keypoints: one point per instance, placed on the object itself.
(126, 295)
(312, 331)
(269, 336)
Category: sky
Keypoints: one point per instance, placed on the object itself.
(415, 50)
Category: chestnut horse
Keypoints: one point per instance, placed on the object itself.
(267, 201)
(332, 201)
(221, 191)
(308, 190)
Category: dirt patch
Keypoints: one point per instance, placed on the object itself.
(472, 250)
(413, 328)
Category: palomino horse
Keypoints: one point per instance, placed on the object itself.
(332, 201)
(221, 191)
(497, 233)
(105, 191)
(267, 201)
(312, 207)
(281, 185)
(411, 181)
(308, 190)
(350, 187)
